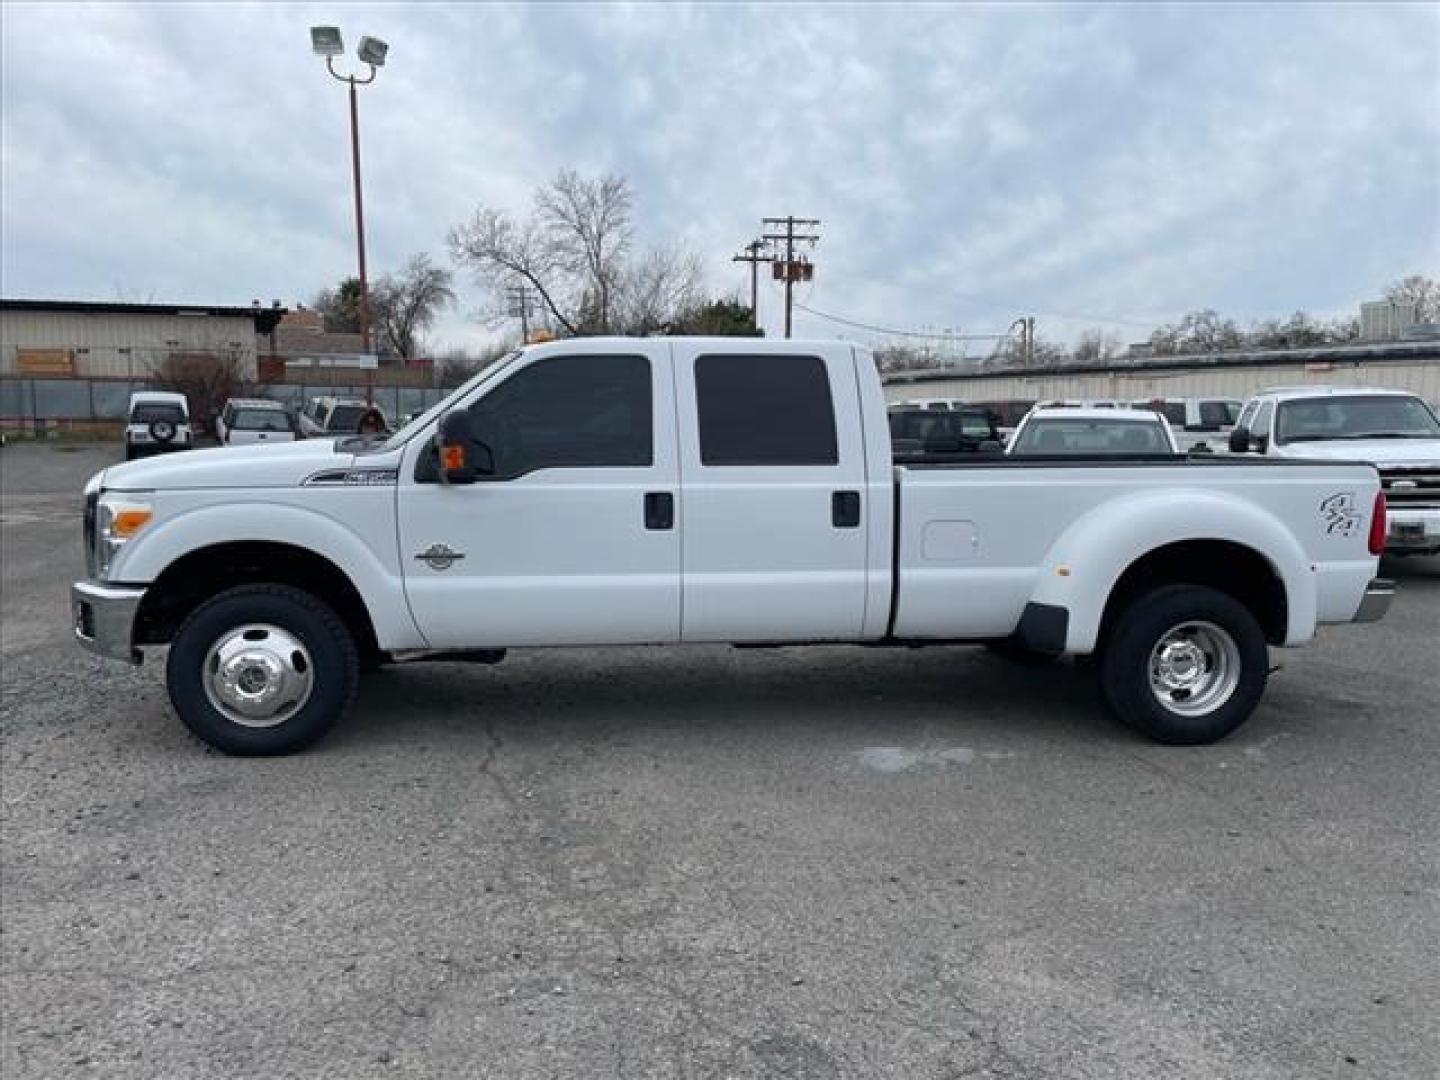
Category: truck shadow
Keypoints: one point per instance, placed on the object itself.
(583, 695)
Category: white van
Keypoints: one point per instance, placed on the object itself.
(246, 421)
(157, 421)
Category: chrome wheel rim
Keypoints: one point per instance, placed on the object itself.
(258, 675)
(1194, 668)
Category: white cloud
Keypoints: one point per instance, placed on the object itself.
(969, 163)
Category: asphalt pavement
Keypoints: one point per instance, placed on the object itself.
(708, 862)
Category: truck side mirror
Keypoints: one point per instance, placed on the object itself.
(1239, 440)
(463, 457)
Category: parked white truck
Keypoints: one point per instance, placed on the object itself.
(614, 491)
(1394, 430)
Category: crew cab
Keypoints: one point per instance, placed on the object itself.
(1393, 430)
(612, 491)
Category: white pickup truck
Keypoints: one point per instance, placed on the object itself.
(616, 491)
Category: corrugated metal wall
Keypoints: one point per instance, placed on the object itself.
(125, 346)
(1418, 376)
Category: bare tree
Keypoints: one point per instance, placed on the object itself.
(589, 227)
(571, 248)
(657, 290)
(406, 304)
(206, 380)
(1422, 291)
(1096, 347)
(1198, 332)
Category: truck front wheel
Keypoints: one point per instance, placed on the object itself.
(261, 669)
(1184, 665)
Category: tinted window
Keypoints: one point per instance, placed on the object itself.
(258, 420)
(1175, 412)
(765, 410)
(149, 412)
(345, 417)
(1091, 437)
(1216, 414)
(570, 412)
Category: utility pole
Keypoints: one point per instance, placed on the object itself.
(791, 269)
(520, 300)
(754, 258)
(1026, 326)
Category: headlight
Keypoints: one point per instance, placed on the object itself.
(120, 519)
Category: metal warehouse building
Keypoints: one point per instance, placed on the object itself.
(1408, 365)
(67, 338)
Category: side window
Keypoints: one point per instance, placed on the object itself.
(1175, 413)
(765, 410)
(1214, 415)
(1262, 420)
(570, 412)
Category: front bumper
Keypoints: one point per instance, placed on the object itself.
(104, 619)
(1378, 595)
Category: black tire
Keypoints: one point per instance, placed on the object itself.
(332, 653)
(1124, 665)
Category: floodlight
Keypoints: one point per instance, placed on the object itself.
(326, 41)
(372, 51)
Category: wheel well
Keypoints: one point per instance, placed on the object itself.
(1234, 569)
(194, 578)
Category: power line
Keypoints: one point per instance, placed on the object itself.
(901, 333)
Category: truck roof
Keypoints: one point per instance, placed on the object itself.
(1330, 391)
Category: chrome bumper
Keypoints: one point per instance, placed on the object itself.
(104, 619)
(1376, 603)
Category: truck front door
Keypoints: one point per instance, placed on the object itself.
(574, 538)
(774, 489)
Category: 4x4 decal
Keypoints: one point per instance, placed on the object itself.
(1338, 514)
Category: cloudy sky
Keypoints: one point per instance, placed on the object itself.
(1105, 165)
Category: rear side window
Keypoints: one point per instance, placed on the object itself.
(570, 412)
(1216, 414)
(765, 410)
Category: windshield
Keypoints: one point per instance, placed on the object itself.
(408, 432)
(149, 412)
(1091, 437)
(1370, 416)
(345, 418)
(260, 420)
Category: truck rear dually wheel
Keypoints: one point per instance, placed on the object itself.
(1184, 664)
(261, 669)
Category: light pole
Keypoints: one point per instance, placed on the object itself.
(326, 42)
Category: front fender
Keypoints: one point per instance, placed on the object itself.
(147, 556)
(1082, 567)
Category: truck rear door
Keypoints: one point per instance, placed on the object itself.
(773, 483)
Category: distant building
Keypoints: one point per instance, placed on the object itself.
(81, 338)
(1386, 320)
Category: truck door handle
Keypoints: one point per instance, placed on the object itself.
(845, 509)
(659, 510)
